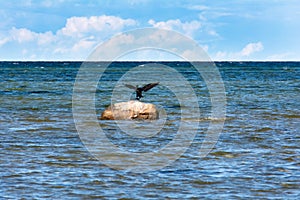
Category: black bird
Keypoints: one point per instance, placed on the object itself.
(139, 90)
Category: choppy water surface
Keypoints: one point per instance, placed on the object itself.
(257, 155)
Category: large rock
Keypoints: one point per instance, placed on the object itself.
(130, 110)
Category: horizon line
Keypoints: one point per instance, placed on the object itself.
(150, 61)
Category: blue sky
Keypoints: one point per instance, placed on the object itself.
(227, 29)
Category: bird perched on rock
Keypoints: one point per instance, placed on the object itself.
(139, 90)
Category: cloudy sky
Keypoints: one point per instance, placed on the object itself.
(226, 29)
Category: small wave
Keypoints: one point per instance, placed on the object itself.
(264, 129)
(291, 116)
(39, 92)
(224, 154)
(204, 119)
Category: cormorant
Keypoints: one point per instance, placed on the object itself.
(139, 90)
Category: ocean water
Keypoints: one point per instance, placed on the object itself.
(257, 155)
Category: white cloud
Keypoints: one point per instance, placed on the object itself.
(245, 53)
(187, 28)
(45, 38)
(83, 44)
(111, 49)
(157, 45)
(4, 41)
(78, 37)
(40, 3)
(198, 7)
(252, 48)
(79, 26)
(213, 33)
(22, 35)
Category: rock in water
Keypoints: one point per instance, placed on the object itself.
(130, 110)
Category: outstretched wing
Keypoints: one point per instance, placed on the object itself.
(149, 86)
(130, 86)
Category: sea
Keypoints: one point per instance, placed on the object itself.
(256, 154)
